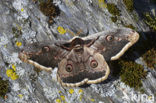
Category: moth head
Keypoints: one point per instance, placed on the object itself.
(78, 49)
(87, 67)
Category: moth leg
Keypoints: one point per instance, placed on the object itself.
(25, 59)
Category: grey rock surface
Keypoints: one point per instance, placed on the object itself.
(76, 15)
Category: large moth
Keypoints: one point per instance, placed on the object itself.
(81, 60)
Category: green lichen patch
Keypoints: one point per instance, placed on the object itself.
(150, 21)
(37, 70)
(130, 73)
(16, 32)
(114, 19)
(129, 5)
(142, 90)
(4, 87)
(112, 8)
(130, 26)
(150, 58)
(49, 9)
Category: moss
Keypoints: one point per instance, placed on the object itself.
(150, 21)
(130, 26)
(49, 9)
(142, 90)
(112, 8)
(130, 72)
(146, 48)
(114, 19)
(37, 70)
(4, 87)
(154, 1)
(136, 18)
(150, 58)
(129, 5)
(16, 32)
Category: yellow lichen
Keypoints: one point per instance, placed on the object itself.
(22, 9)
(18, 44)
(9, 72)
(102, 4)
(62, 97)
(13, 67)
(60, 92)
(71, 91)
(61, 30)
(58, 101)
(20, 95)
(80, 90)
(93, 100)
(14, 76)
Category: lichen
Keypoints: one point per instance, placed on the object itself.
(71, 91)
(49, 9)
(4, 87)
(114, 19)
(150, 21)
(18, 43)
(16, 32)
(61, 30)
(130, 72)
(102, 3)
(129, 5)
(112, 8)
(92, 100)
(130, 26)
(11, 73)
(142, 90)
(58, 101)
(150, 58)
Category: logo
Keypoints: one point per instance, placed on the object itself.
(142, 98)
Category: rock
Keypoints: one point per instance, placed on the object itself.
(21, 23)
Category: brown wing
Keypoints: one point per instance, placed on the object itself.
(88, 67)
(112, 44)
(47, 54)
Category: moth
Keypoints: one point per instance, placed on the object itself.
(81, 60)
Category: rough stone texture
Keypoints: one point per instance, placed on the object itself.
(42, 87)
